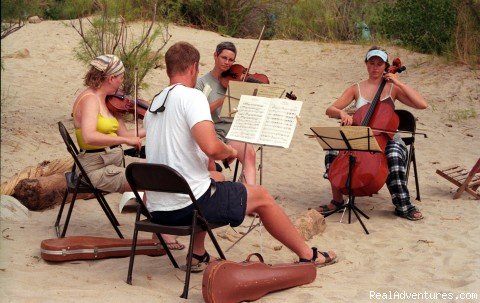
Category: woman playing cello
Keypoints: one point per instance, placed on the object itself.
(362, 93)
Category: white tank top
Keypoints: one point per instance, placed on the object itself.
(362, 101)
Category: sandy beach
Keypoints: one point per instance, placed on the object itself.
(439, 254)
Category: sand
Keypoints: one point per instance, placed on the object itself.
(439, 254)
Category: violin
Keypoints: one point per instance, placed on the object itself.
(121, 103)
(238, 72)
(370, 170)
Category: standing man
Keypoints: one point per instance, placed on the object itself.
(210, 84)
(181, 134)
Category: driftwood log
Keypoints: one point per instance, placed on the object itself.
(42, 186)
(44, 192)
(44, 169)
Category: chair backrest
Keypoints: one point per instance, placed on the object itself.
(67, 139)
(72, 149)
(157, 177)
(407, 123)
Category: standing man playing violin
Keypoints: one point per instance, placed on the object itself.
(362, 93)
(210, 84)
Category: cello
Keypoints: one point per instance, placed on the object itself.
(371, 169)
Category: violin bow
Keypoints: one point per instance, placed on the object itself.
(135, 89)
(244, 79)
(255, 52)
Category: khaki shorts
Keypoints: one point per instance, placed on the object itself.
(105, 169)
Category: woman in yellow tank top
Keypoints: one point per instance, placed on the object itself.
(100, 132)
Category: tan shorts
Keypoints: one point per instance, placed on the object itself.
(105, 169)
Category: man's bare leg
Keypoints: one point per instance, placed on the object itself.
(277, 222)
(247, 157)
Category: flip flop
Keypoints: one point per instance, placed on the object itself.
(175, 245)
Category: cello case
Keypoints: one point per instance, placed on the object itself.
(228, 282)
(91, 248)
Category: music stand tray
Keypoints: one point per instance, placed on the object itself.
(348, 138)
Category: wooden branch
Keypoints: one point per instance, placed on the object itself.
(13, 27)
(154, 17)
(80, 31)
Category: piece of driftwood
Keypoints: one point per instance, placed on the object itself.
(46, 168)
(43, 192)
(310, 223)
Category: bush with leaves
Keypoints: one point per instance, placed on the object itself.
(110, 33)
(426, 26)
(15, 13)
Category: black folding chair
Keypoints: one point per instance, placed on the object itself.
(79, 184)
(408, 124)
(161, 178)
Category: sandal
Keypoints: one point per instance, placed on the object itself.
(328, 260)
(410, 214)
(203, 261)
(325, 210)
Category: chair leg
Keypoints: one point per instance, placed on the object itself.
(415, 171)
(60, 212)
(132, 256)
(167, 250)
(105, 208)
(69, 214)
(190, 256)
(215, 243)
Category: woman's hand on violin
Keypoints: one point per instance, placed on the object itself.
(134, 141)
(346, 118)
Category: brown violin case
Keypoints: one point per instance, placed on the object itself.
(228, 282)
(90, 248)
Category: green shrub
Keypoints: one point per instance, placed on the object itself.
(109, 33)
(68, 9)
(426, 26)
(224, 16)
(467, 32)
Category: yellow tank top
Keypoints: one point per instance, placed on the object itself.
(105, 125)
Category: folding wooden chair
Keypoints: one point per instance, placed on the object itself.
(468, 181)
(162, 178)
(408, 124)
(79, 184)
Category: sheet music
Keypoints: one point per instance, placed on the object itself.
(266, 121)
(271, 90)
(237, 88)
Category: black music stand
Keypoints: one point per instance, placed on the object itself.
(348, 138)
